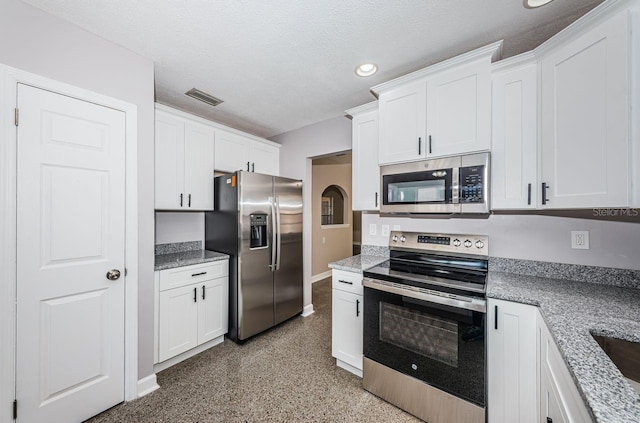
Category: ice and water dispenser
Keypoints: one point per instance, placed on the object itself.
(258, 230)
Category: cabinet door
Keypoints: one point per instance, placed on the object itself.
(169, 162)
(231, 152)
(585, 119)
(198, 166)
(346, 327)
(212, 309)
(515, 142)
(178, 328)
(402, 123)
(265, 159)
(512, 358)
(459, 110)
(365, 169)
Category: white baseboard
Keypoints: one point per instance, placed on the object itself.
(307, 310)
(147, 385)
(188, 354)
(320, 276)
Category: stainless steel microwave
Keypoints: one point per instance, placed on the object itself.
(450, 185)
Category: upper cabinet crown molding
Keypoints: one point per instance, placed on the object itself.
(352, 112)
(492, 52)
(603, 11)
(216, 125)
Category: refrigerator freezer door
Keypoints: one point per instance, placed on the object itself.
(255, 278)
(288, 278)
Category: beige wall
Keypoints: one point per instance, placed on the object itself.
(338, 240)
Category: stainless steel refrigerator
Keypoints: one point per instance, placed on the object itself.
(258, 222)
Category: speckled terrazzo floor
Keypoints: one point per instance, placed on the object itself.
(284, 375)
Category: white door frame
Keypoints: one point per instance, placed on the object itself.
(9, 78)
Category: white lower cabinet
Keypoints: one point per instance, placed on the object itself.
(346, 320)
(191, 307)
(560, 401)
(511, 362)
(528, 380)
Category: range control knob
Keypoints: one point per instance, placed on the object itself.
(479, 244)
(456, 242)
(403, 238)
(467, 243)
(395, 238)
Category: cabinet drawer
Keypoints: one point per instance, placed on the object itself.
(347, 281)
(180, 276)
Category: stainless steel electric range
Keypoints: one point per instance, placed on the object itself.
(424, 326)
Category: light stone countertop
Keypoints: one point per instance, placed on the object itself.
(187, 258)
(358, 264)
(572, 311)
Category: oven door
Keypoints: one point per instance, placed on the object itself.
(438, 342)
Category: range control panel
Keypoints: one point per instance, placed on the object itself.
(452, 243)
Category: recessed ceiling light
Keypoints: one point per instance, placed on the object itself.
(532, 4)
(366, 69)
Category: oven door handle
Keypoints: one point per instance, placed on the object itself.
(466, 303)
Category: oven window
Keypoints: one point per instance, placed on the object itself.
(417, 192)
(430, 336)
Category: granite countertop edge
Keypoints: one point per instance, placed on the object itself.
(187, 258)
(573, 311)
(358, 264)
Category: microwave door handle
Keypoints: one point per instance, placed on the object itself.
(272, 264)
(278, 233)
(455, 185)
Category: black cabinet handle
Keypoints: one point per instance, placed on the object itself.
(429, 144)
(253, 167)
(198, 274)
(195, 295)
(203, 291)
(189, 200)
(529, 194)
(248, 166)
(495, 316)
(419, 146)
(549, 420)
(544, 193)
(180, 199)
(347, 282)
(357, 308)
(376, 199)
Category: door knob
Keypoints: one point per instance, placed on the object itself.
(113, 274)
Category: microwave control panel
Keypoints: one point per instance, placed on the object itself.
(472, 184)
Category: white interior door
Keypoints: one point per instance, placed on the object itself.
(70, 233)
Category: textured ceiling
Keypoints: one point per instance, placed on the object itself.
(284, 64)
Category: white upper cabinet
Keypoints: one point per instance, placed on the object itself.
(365, 170)
(232, 152)
(441, 110)
(236, 152)
(402, 123)
(183, 164)
(585, 138)
(264, 158)
(459, 110)
(514, 135)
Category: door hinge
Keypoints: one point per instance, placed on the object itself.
(15, 409)
(16, 119)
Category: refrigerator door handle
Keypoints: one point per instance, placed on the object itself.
(272, 265)
(278, 235)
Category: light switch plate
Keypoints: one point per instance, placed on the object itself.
(373, 229)
(396, 228)
(384, 231)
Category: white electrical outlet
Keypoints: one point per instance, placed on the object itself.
(384, 231)
(373, 229)
(324, 240)
(396, 227)
(580, 240)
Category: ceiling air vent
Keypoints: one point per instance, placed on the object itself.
(204, 97)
